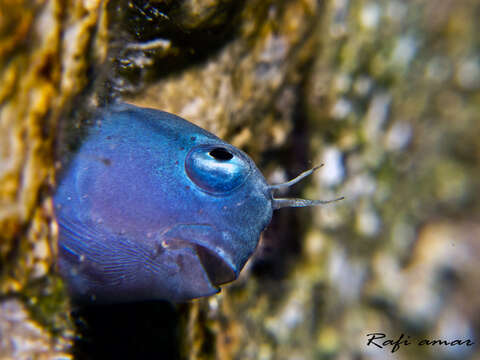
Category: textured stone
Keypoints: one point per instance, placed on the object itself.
(386, 93)
(41, 69)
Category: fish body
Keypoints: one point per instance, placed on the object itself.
(154, 207)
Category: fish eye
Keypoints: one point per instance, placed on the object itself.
(221, 154)
(217, 169)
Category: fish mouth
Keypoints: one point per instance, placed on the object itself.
(217, 269)
(211, 247)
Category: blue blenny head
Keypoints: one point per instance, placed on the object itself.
(154, 207)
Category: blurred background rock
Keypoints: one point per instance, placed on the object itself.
(385, 93)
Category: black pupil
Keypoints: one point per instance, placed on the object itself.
(220, 154)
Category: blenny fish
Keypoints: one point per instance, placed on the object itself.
(152, 206)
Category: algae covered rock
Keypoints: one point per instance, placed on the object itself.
(384, 93)
(40, 71)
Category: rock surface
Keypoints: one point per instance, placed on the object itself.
(386, 94)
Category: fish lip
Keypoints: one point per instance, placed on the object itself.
(218, 270)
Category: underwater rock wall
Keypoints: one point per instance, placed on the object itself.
(384, 93)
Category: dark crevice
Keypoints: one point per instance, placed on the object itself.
(147, 330)
(140, 21)
(281, 243)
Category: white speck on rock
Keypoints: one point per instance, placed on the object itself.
(333, 171)
(404, 50)
(338, 26)
(368, 222)
(293, 314)
(193, 108)
(362, 85)
(341, 109)
(347, 276)
(279, 176)
(370, 15)
(399, 136)
(41, 249)
(468, 74)
(360, 185)
(22, 338)
(342, 83)
(377, 115)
